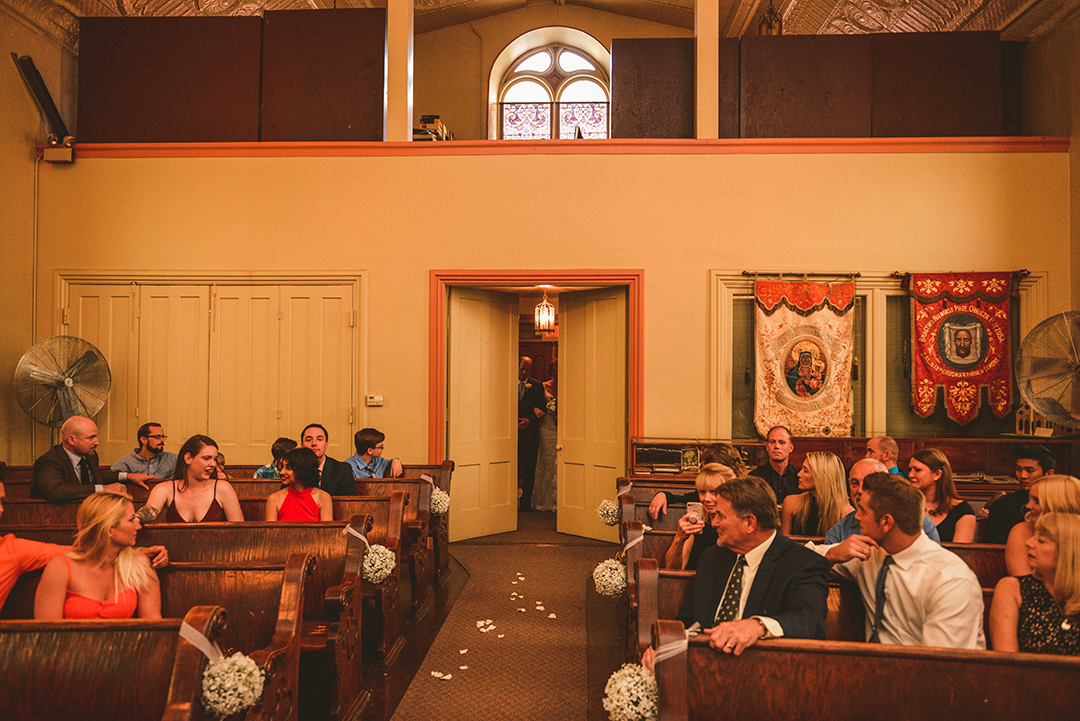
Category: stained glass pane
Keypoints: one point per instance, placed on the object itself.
(526, 121)
(592, 118)
(527, 91)
(538, 63)
(569, 62)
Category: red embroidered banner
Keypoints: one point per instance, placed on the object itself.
(803, 353)
(961, 342)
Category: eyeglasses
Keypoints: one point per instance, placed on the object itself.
(158, 436)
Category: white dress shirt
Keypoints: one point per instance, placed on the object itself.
(932, 598)
(753, 562)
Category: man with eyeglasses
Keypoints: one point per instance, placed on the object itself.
(150, 457)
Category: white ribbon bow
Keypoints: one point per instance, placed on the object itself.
(670, 649)
(196, 639)
(349, 529)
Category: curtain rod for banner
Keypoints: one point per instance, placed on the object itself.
(1023, 273)
(802, 275)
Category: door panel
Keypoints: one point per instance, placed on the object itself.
(174, 332)
(482, 412)
(316, 351)
(107, 316)
(592, 407)
(243, 399)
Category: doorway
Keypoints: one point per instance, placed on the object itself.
(607, 325)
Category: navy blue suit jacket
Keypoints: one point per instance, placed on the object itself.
(791, 586)
(337, 478)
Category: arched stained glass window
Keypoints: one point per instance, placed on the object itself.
(549, 83)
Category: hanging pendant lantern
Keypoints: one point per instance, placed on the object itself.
(544, 315)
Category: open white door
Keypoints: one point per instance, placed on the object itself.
(592, 407)
(482, 412)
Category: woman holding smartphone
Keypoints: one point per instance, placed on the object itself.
(695, 532)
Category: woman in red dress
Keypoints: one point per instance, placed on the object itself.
(300, 500)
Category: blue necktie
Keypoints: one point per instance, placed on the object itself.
(879, 598)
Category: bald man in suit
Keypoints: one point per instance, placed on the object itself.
(71, 471)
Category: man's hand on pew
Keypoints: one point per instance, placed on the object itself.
(736, 636)
(159, 557)
(396, 470)
(658, 507)
(114, 488)
(647, 658)
(139, 479)
(856, 546)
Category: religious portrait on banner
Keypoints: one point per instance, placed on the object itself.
(961, 342)
(804, 341)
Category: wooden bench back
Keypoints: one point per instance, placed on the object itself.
(855, 681)
(19, 488)
(128, 670)
(662, 592)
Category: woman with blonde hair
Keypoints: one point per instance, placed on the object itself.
(823, 501)
(695, 532)
(1049, 494)
(102, 576)
(1040, 612)
(930, 472)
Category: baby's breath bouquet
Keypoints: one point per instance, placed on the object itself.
(630, 694)
(608, 511)
(440, 501)
(610, 578)
(378, 563)
(231, 684)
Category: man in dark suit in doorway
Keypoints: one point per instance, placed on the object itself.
(531, 407)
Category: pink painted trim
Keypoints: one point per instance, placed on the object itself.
(739, 146)
(440, 282)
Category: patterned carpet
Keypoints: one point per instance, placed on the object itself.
(530, 665)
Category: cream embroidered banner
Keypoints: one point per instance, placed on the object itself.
(804, 348)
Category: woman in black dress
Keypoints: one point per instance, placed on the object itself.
(1040, 612)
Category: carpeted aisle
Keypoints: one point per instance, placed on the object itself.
(529, 666)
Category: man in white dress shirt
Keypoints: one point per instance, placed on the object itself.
(916, 593)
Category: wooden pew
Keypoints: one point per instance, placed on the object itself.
(108, 670)
(19, 488)
(662, 592)
(854, 681)
(265, 603)
(334, 596)
(440, 524)
(418, 543)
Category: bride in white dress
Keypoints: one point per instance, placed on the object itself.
(544, 492)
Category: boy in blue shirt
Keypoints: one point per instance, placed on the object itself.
(368, 461)
(280, 448)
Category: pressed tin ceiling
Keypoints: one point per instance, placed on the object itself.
(1015, 19)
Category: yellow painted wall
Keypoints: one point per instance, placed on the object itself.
(1051, 106)
(453, 64)
(20, 131)
(676, 216)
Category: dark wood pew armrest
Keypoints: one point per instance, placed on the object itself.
(185, 689)
(280, 660)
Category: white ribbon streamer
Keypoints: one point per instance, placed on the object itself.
(349, 529)
(428, 479)
(670, 649)
(196, 639)
(626, 490)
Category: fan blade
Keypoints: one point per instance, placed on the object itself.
(70, 405)
(86, 362)
(45, 376)
(1040, 366)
